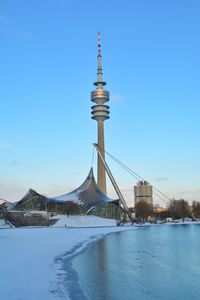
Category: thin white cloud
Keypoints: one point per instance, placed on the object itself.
(162, 178)
(117, 98)
(15, 162)
(184, 192)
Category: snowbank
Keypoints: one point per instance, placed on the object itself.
(3, 225)
(32, 259)
(82, 221)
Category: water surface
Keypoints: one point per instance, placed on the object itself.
(150, 263)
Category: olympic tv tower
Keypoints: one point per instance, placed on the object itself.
(100, 113)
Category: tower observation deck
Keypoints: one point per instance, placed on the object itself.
(100, 113)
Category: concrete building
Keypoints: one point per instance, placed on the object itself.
(100, 113)
(143, 191)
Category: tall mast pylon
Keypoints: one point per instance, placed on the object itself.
(100, 113)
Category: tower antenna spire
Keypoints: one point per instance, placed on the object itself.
(99, 44)
(100, 83)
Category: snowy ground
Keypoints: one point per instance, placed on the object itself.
(32, 258)
(3, 224)
(82, 221)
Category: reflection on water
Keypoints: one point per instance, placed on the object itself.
(156, 262)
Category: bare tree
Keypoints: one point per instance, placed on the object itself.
(179, 209)
(143, 210)
(196, 209)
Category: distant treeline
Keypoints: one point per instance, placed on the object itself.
(176, 209)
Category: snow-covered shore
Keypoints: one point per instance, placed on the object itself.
(3, 224)
(82, 221)
(32, 258)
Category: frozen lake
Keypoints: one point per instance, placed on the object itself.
(151, 263)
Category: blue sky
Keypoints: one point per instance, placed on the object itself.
(48, 63)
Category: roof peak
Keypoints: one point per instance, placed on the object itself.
(91, 174)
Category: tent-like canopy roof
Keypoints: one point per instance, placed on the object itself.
(27, 197)
(86, 196)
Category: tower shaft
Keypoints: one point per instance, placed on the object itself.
(101, 179)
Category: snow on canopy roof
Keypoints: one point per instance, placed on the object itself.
(3, 201)
(87, 195)
(30, 194)
(27, 197)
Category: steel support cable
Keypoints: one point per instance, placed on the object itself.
(165, 201)
(136, 175)
(140, 178)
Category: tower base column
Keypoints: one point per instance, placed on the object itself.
(101, 179)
